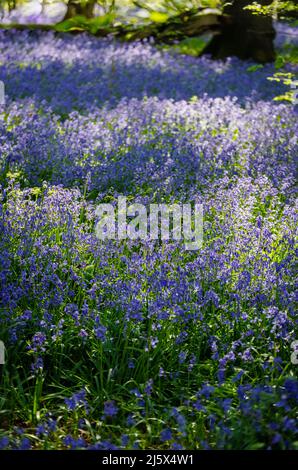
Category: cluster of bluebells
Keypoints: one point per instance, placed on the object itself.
(64, 71)
(197, 342)
(76, 400)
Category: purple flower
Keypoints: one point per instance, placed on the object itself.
(180, 419)
(52, 425)
(247, 356)
(184, 129)
(198, 406)
(110, 409)
(38, 339)
(148, 387)
(166, 435)
(25, 444)
(238, 376)
(176, 446)
(131, 363)
(69, 441)
(83, 333)
(182, 357)
(37, 365)
(226, 404)
(130, 420)
(124, 440)
(291, 387)
(153, 342)
(276, 439)
(103, 445)
(204, 445)
(221, 374)
(41, 430)
(206, 391)
(100, 332)
(76, 400)
(4, 442)
(290, 424)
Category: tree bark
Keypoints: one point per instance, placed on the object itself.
(246, 35)
(74, 9)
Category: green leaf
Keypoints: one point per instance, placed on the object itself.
(63, 26)
(71, 24)
(279, 62)
(257, 446)
(102, 21)
(84, 24)
(254, 68)
(286, 97)
(158, 17)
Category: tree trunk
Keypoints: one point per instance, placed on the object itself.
(245, 35)
(74, 9)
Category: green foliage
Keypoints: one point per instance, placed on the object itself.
(191, 46)
(159, 17)
(80, 23)
(287, 55)
(254, 68)
(276, 8)
(289, 80)
(175, 7)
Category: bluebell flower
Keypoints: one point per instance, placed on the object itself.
(110, 409)
(176, 446)
(166, 435)
(148, 387)
(130, 420)
(4, 442)
(41, 430)
(25, 444)
(124, 440)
